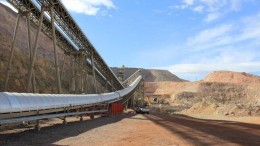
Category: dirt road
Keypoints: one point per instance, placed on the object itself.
(131, 129)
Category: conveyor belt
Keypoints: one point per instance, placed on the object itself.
(15, 107)
(20, 102)
(19, 107)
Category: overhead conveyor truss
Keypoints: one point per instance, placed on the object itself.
(17, 107)
(65, 21)
(70, 27)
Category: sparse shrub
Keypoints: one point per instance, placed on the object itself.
(221, 92)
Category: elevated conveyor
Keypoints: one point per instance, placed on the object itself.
(69, 35)
(53, 19)
(18, 107)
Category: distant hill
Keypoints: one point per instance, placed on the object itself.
(150, 75)
(232, 77)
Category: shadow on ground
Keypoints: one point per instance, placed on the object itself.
(51, 134)
(209, 132)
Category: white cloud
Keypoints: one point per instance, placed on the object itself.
(198, 8)
(250, 30)
(214, 5)
(234, 47)
(188, 2)
(198, 71)
(200, 68)
(9, 5)
(235, 4)
(185, 4)
(210, 38)
(88, 7)
(228, 35)
(213, 9)
(212, 16)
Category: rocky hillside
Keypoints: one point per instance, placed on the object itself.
(151, 75)
(232, 77)
(44, 68)
(44, 65)
(220, 93)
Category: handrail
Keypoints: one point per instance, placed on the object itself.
(130, 79)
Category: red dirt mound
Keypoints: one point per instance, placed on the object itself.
(232, 77)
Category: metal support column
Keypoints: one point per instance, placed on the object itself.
(62, 68)
(35, 50)
(132, 104)
(72, 87)
(143, 88)
(91, 116)
(64, 120)
(93, 72)
(82, 74)
(81, 118)
(86, 83)
(12, 52)
(126, 107)
(55, 50)
(106, 85)
(37, 126)
(76, 63)
(30, 49)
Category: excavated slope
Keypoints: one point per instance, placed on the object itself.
(232, 77)
(44, 65)
(151, 75)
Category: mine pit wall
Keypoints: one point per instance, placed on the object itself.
(220, 98)
(44, 65)
(158, 98)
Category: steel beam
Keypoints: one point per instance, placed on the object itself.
(55, 50)
(93, 73)
(40, 117)
(66, 23)
(30, 48)
(71, 28)
(12, 52)
(35, 49)
(62, 68)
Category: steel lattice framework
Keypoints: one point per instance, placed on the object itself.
(69, 36)
(53, 19)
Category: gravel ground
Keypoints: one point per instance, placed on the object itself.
(132, 129)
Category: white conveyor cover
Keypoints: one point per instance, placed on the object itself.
(18, 102)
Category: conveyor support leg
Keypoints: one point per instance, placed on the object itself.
(12, 52)
(81, 117)
(64, 120)
(37, 126)
(92, 116)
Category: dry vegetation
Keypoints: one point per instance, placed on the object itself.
(228, 93)
(44, 65)
(235, 95)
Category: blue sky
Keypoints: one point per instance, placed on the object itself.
(191, 38)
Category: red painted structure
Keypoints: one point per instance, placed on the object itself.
(116, 108)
